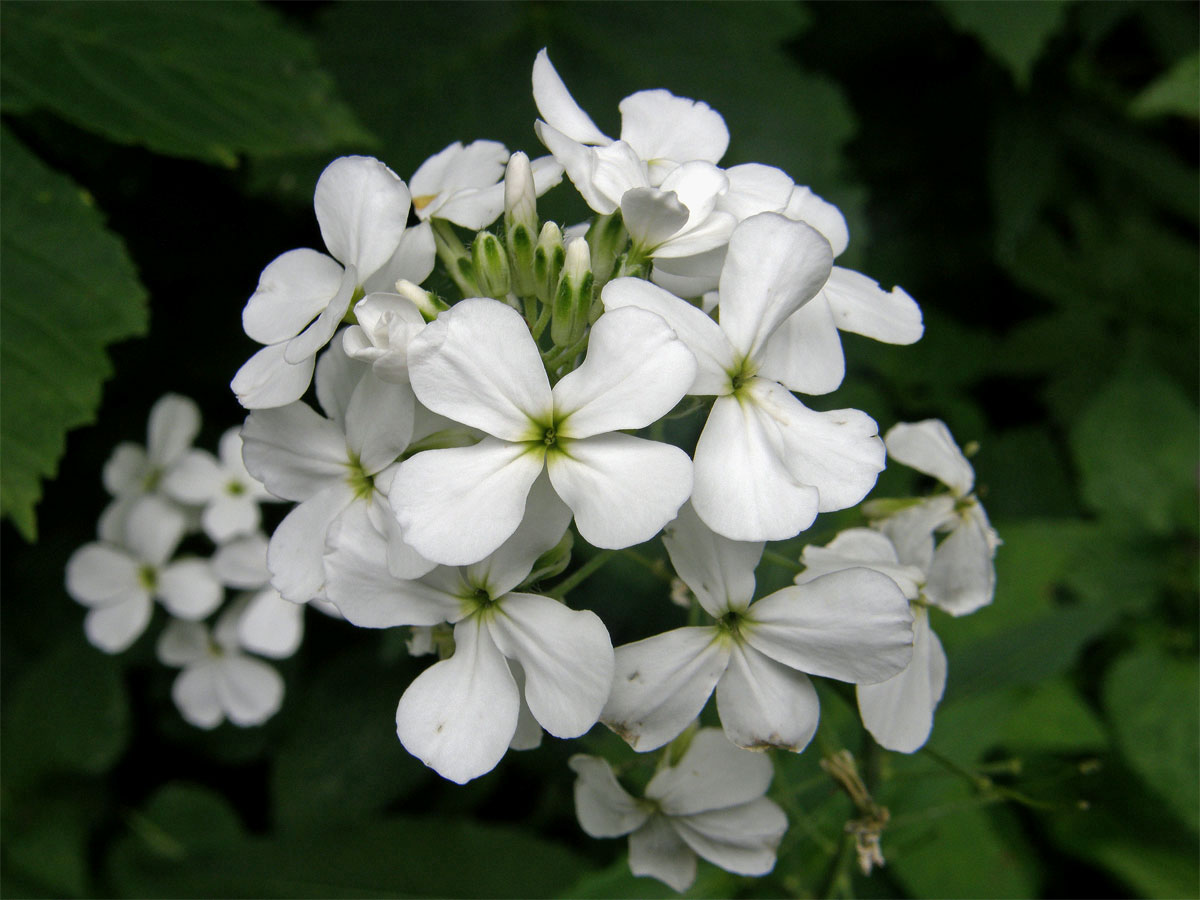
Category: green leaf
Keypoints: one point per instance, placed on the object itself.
(617, 882)
(1151, 703)
(1175, 92)
(68, 712)
(1051, 716)
(69, 291)
(201, 80)
(1013, 33)
(52, 846)
(1136, 446)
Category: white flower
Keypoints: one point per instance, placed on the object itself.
(477, 364)
(961, 574)
(765, 464)
(709, 804)
(134, 471)
(899, 711)
(269, 626)
(853, 625)
(228, 493)
(463, 184)
(302, 296)
(119, 581)
(385, 326)
(330, 466)
(218, 680)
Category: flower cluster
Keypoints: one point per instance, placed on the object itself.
(459, 446)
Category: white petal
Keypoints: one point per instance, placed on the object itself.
(195, 478)
(699, 237)
(805, 352)
(853, 625)
(267, 380)
(713, 774)
(250, 691)
(656, 850)
(838, 452)
(567, 657)
(359, 583)
(929, 447)
(306, 344)
(456, 506)
(805, 206)
(714, 354)
(719, 571)
(691, 276)
(860, 305)
(459, 715)
(153, 529)
(660, 125)
(174, 424)
(113, 628)
(622, 489)
(860, 547)
(661, 684)
(126, 469)
(912, 529)
(444, 171)
(477, 364)
(102, 575)
(962, 578)
(379, 422)
(271, 626)
(755, 188)
(189, 589)
(414, 259)
(182, 644)
(602, 175)
(362, 208)
(242, 563)
(652, 216)
(298, 544)
(229, 516)
(743, 490)
(294, 451)
(195, 694)
(292, 291)
(558, 108)
(635, 372)
(763, 703)
(698, 185)
(742, 839)
(774, 266)
(603, 807)
(528, 735)
(899, 712)
(337, 377)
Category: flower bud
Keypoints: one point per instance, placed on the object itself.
(548, 259)
(553, 562)
(428, 303)
(490, 265)
(520, 223)
(607, 237)
(573, 297)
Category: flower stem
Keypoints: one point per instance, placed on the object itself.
(581, 574)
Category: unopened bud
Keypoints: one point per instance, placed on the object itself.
(520, 200)
(553, 562)
(573, 297)
(548, 258)
(607, 237)
(490, 266)
(427, 303)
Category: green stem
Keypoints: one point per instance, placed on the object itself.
(780, 560)
(838, 884)
(581, 574)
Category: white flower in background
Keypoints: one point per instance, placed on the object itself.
(898, 712)
(710, 803)
(120, 581)
(330, 466)
(853, 625)
(219, 681)
(961, 575)
(362, 209)
(765, 464)
(522, 662)
(269, 626)
(228, 493)
(477, 364)
(464, 184)
(134, 471)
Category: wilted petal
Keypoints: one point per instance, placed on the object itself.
(719, 571)
(292, 290)
(567, 657)
(661, 684)
(742, 489)
(764, 703)
(189, 589)
(478, 364)
(899, 712)
(742, 839)
(929, 447)
(362, 209)
(656, 850)
(635, 372)
(459, 715)
(854, 625)
(622, 489)
(713, 774)
(456, 506)
(774, 266)
(603, 807)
